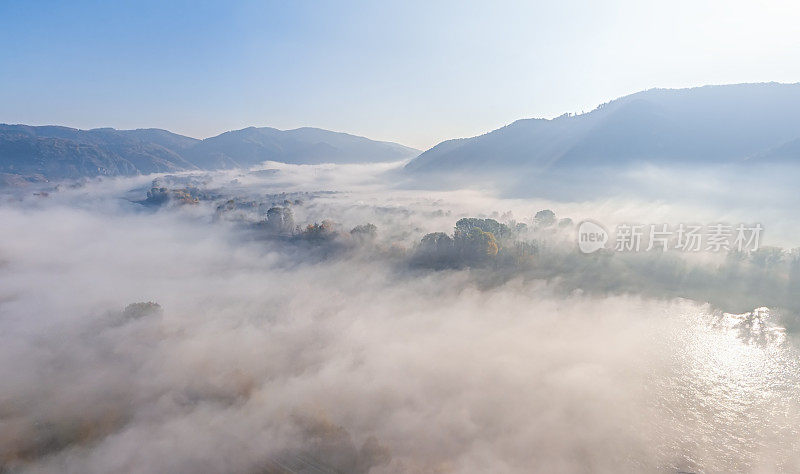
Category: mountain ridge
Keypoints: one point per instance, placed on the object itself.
(57, 152)
(709, 124)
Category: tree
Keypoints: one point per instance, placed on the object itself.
(280, 220)
(325, 230)
(475, 246)
(365, 230)
(437, 242)
(544, 218)
(487, 225)
(481, 244)
(141, 310)
(437, 250)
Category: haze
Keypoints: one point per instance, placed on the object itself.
(200, 272)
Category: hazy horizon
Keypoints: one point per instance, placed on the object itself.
(415, 74)
(582, 112)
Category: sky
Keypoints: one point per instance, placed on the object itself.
(414, 72)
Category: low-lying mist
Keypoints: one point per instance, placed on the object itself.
(290, 319)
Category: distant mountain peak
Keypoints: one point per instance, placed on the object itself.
(55, 152)
(713, 124)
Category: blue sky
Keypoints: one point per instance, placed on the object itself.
(406, 71)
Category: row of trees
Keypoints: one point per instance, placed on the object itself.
(157, 196)
(477, 242)
(474, 241)
(280, 221)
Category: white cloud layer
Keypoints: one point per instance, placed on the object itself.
(268, 356)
